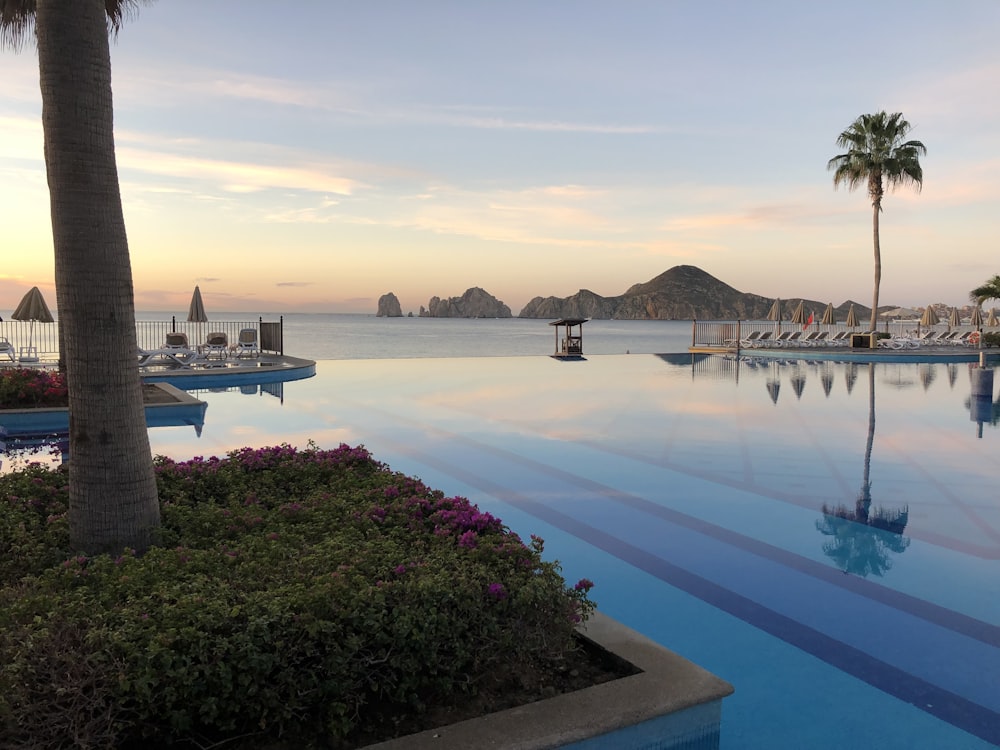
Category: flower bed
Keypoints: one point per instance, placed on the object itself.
(22, 388)
(302, 595)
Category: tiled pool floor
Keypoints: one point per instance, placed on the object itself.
(692, 493)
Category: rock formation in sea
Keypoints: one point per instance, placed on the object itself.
(475, 303)
(388, 306)
(681, 293)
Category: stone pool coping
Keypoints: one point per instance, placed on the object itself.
(671, 703)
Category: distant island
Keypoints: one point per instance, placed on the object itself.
(681, 293)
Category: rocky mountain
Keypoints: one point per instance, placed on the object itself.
(388, 306)
(475, 303)
(681, 293)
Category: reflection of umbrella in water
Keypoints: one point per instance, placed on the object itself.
(928, 372)
(33, 308)
(799, 316)
(827, 380)
(773, 387)
(991, 319)
(852, 317)
(851, 375)
(829, 316)
(952, 374)
(798, 384)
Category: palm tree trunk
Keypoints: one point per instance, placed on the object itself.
(112, 486)
(876, 206)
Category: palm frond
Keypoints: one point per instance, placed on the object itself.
(17, 19)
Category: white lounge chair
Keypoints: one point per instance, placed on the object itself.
(216, 345)
(6, 349)
(246, 343)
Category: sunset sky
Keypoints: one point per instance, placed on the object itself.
(312, 156)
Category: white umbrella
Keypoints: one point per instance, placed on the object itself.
(953, 318)
(976, 321)
(929, 318)
(775, 313)
(829, 316)
(991, 319)
(799, 316)
(852, 317)
(33, 308)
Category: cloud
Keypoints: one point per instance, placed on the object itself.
(294, 283)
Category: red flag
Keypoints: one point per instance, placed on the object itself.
(808, 322)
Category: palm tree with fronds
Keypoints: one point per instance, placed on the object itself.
(989, 290)
(877, 156)
(112, 487)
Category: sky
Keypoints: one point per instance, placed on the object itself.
(313, 156)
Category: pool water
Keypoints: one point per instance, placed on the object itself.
(825, 536)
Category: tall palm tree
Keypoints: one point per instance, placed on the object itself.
(989, 290)
(112, 487)
(877, 156)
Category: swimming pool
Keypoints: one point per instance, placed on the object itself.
(692, 491)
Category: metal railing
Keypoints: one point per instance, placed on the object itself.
(150, 334)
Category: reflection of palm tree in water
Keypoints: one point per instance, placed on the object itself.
(861, 540)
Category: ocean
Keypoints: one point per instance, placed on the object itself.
(363, 336)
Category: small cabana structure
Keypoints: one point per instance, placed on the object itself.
(569, 344)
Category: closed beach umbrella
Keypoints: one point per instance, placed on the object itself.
(991, 319)
(33, 308)
(799, 316)
(829, 316)
(929, 318)
(775, 313)
(196, 312)
(852, 318)
(976, 321)
(953, 319)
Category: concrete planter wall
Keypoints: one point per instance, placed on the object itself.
(671, 704)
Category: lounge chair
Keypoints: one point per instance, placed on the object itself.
(761, 341)
(216, 345)
(246, 343)
(788, 338)
(175, 351)
(177, 340)
(6, 349)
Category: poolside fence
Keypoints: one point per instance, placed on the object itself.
(150, 334)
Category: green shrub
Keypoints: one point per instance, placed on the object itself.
(991, 339)
(295, 594)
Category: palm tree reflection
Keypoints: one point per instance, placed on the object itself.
(860, 538)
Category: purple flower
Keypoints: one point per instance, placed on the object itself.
(468, 540)
(584, 584)
(497, 591)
